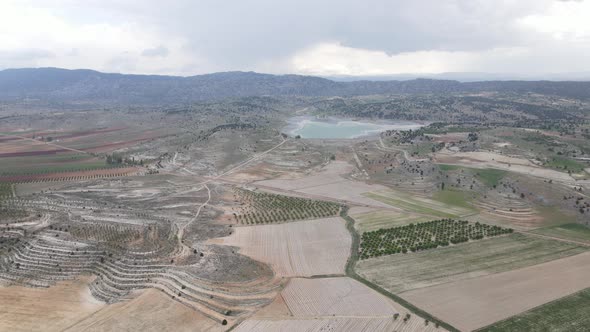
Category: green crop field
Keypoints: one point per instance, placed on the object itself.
(445, 167)
(371, 221)
(399, 273)
(568, 314)
(490, 177)
(421, 205)
(575, 232)
(454, 197)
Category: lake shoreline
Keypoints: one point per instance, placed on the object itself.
(342, 128)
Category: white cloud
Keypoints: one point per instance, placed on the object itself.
(334, 59)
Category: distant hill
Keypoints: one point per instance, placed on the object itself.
(62, 85)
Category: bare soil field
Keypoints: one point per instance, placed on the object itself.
(335, 297)
(302, 248)
(478, 302)
(329, 183)
(403, 272)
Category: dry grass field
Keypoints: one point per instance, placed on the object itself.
(302, 248)
(46, 309)
(477, 302)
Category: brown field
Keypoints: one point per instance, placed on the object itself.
(31, 153)
(303, 248)
(478, 302)
(69, 306)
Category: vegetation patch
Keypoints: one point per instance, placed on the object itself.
(566, 314)
(565, 164)
(266, 208)
(490, 177)
(446, 167)
(423, 236)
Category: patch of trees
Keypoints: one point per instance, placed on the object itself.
(424, 236)
(117, 159)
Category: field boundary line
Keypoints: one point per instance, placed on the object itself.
(46, 143)
(531, 233)
(349, 270)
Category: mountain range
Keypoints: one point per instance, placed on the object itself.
(83, 85)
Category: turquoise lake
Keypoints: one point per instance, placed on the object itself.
(309, 128)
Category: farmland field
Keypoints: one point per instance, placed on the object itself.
(400, 273)
(420, 205)
(302, 248)
(568, 314)
(477, 302)
(373, 220)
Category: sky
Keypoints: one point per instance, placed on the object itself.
(323, 38)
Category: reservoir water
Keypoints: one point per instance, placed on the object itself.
(337, 128)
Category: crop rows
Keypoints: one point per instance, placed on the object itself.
(265, 208)
(423, 236)
(64, 176)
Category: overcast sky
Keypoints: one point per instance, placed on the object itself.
(331, 37)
